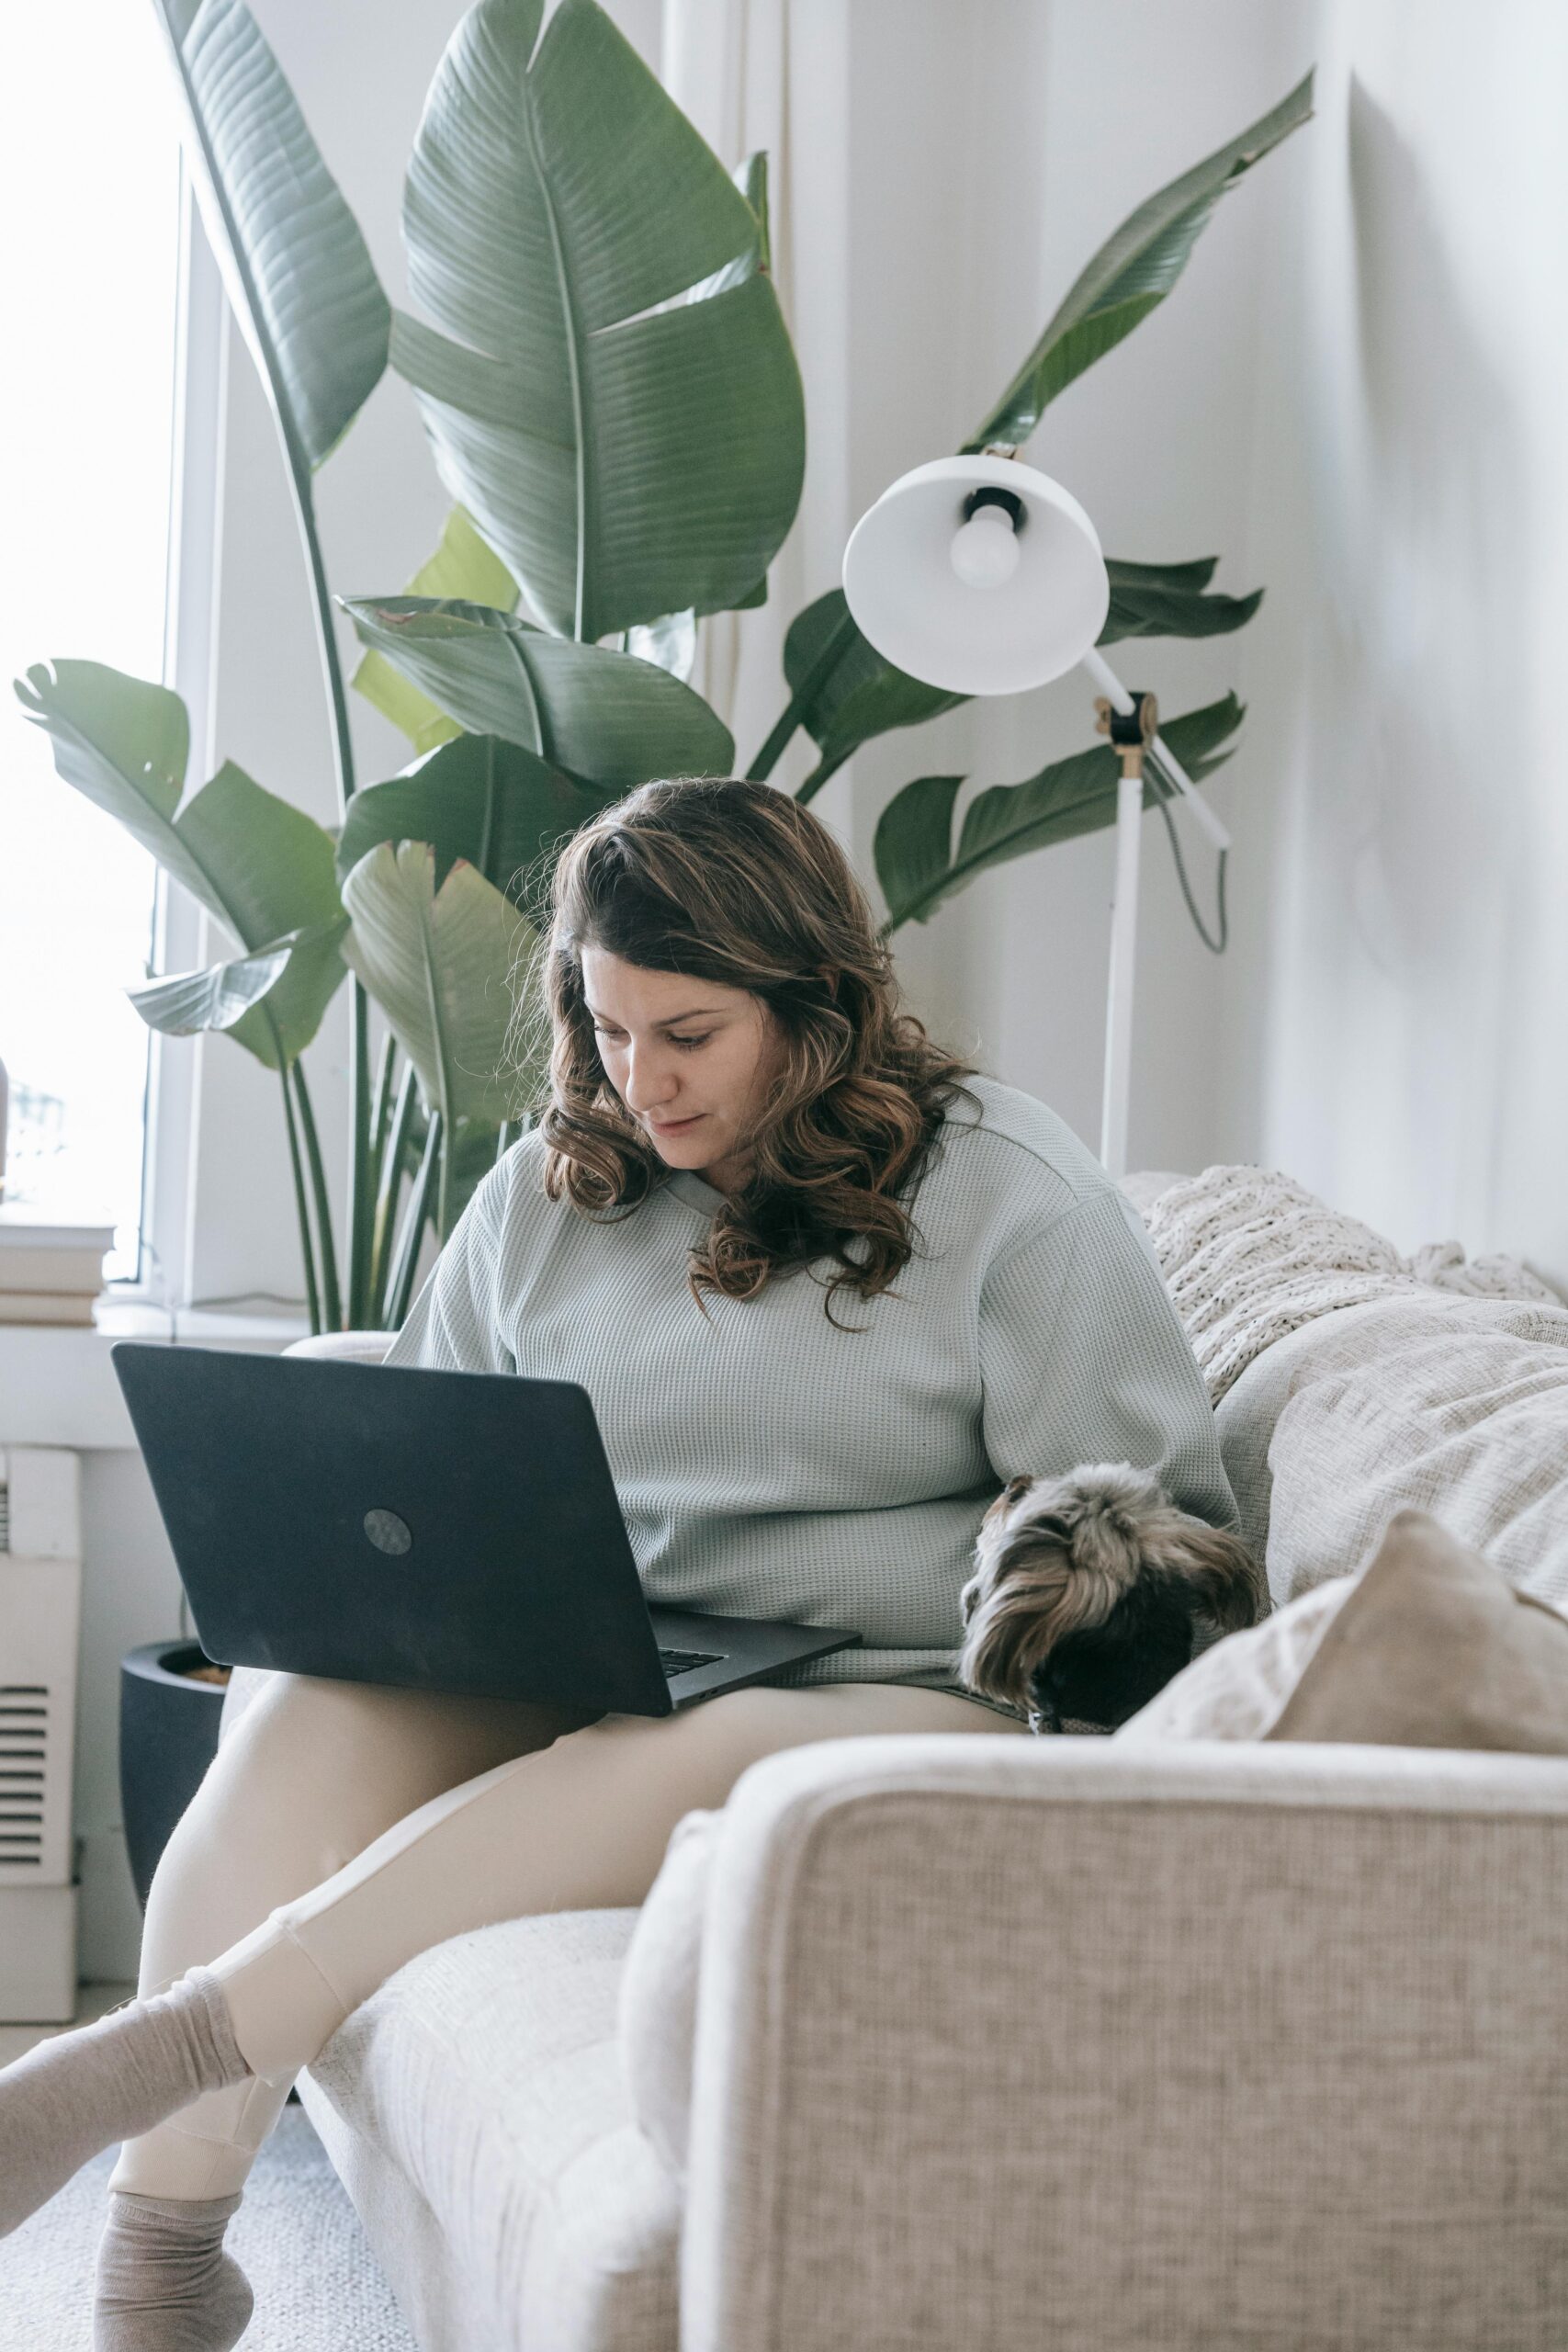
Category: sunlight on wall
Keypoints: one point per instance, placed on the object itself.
(89, 188)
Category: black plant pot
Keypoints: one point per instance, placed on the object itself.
(168, 1736)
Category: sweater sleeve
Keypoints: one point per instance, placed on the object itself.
(1083, 1359)
(453, 1325)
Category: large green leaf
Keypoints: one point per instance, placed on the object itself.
(605, 716)
(1169, 600)
(270, 863)
(122, 741)
(439, 964)
(281, 1026)
(298, 272)
(913, 846)
(262, 866)
(625, 429)
(271, 1002)
(1132, 273)
(186, 1004)
(846, 693)
(856, 694)
(462, 566)
(481, 798)
(919, 865)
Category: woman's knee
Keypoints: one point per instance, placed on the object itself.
(311, 1770)
(292, 1792)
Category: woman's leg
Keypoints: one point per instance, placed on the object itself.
(574, 1826)
(307, 1774)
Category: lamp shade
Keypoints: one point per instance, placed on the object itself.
(979, 575)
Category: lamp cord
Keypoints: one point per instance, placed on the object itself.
(1216, 945)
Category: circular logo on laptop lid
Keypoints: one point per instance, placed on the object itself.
(388, 1532)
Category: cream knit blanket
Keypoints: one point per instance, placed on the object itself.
(1248, 1255)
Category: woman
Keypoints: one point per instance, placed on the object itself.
(826, 1297)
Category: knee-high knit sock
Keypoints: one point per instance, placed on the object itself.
(111, 2080)
(164, 2283)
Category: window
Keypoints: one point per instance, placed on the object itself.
(90, 193)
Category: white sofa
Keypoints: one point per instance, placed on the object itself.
(1229, 2049)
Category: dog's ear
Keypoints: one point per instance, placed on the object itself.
(1055, 1578)
(1224, 1579)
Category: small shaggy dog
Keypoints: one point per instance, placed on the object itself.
(1091, 1592)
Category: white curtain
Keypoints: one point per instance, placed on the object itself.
(774, 75)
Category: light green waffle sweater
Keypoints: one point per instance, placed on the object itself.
(772, 1466)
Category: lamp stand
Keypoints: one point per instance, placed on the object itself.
(1131, 734)
(1131, 722)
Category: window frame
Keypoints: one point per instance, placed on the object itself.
(178, 929)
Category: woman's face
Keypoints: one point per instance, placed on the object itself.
(691, 1059)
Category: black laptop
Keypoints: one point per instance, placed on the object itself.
(436, 1530)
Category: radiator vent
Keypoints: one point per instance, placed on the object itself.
(24, 1738)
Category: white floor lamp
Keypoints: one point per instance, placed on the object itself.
(982, 576)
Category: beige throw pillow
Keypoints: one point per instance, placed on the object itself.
(1427, 1646)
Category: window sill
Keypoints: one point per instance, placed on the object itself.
(58, 1386)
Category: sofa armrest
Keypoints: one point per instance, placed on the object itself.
(1073, 2043)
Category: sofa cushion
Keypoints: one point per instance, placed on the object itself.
(1235, 1689)
(476, 2107)
(1453, 1405)
(1432, 1648)
(1250, 1256)
(1427, 1646)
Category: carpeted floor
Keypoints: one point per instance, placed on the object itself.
(297, 2238)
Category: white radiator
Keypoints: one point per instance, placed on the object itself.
(40, 1615)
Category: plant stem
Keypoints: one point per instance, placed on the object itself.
(389, 1185)
(306, 1254)
(380, 1106)
(414, 1227)
(821, 772)
(503, 1137)
(332, 1304)
(360, 1178)
(800, 702)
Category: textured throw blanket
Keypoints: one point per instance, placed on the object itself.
(1250, 1255)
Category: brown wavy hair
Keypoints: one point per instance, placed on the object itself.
(738, 883)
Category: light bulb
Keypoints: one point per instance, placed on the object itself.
(985, 550)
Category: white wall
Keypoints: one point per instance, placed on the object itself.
(1396, 1010)
(1354, 396)
(990, 156)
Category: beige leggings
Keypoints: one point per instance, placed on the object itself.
(342, 1828)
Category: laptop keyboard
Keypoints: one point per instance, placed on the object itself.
(676, 1662)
